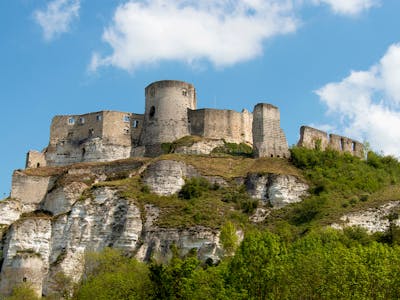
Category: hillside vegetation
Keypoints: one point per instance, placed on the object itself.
(294, 254)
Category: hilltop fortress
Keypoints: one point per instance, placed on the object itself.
(170, 114)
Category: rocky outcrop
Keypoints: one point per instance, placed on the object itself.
(57, 215)
(30, 190)
(204, 146)
(37, 249)
(93, 149)
(373, 220)
(166, 177)
(276, 190)
(26, 254)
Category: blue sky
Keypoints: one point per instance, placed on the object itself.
(333, 64)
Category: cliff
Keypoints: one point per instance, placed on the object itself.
(57, 214)
(143, 206)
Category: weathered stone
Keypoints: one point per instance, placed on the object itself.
(275, 189)
(205, 146)
(285, 189)
(61, 199)
(269, 139)
(30, 190)
(26, 254)
(312, 138)
(167, 177)
(372, 219)
(157, 243)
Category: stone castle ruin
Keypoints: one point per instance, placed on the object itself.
(170, 114)
(317, 139)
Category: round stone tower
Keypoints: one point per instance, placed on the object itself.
(166, 113)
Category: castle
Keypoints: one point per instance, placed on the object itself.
(170, 114)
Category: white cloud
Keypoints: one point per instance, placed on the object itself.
(349, 7)
(222, 32)
(367, 103)
(57, 17)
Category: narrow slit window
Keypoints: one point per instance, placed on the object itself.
(152, 111)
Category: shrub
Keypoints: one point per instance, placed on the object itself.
(194, 188)
(242, 200)
(241, 149)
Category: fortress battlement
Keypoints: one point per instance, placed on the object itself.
(170, 114)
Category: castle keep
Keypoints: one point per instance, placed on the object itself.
(170, 114)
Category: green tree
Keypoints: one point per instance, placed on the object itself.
(229, 239)
(110, 275)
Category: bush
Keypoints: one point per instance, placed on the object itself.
(194, 188)
(241, 198)
(241, 149)
(110, 275)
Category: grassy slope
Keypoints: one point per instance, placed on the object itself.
(339, 184)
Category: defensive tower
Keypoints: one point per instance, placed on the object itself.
(166, 112)
(269, 140)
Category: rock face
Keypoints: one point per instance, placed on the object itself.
(205, 146)
(373, 220)
(94, 149)
(275, 189)
(56, 217)
(166, 177)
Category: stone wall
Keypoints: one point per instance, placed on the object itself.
(269, 140)
(76, 127)
(95, 149)
(30, 190)
(230, 125)
(311, 137)
(344, 144)
(99, 136)
(166, 112)
(35, 159)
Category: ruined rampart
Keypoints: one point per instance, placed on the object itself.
(312, 138)
(232, 126)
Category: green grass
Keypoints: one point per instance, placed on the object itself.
(339, 184)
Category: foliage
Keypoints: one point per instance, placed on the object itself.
(23, 292)
(339, 182)
(323, 264)
(185, 141)
(110, 275)
(228, 237)
(241, 199)
(241, 149)
(194, 188)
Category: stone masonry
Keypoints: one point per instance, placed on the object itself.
(170, 114)
(268, 138)
(316, 139)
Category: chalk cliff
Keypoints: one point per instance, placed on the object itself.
(57, 214)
